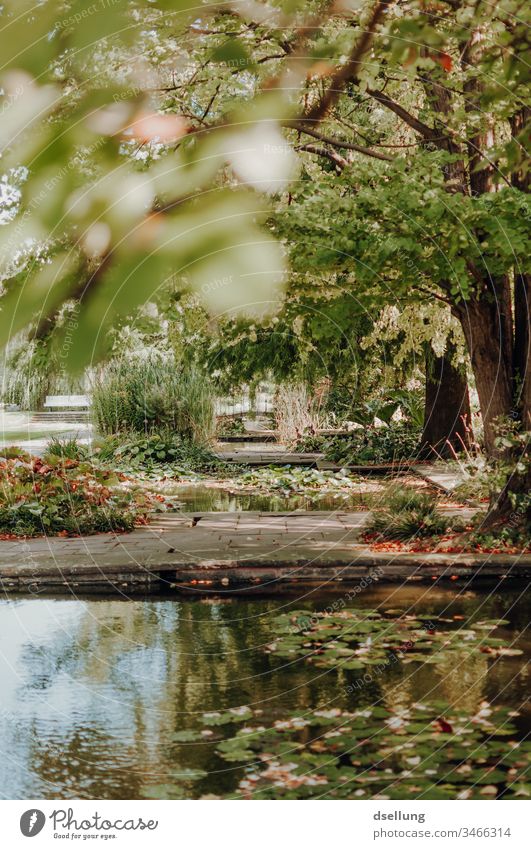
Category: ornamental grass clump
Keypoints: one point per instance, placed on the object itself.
(405, 514)
(68, 449)
(151, 393)
(60, 496)
(298, 411)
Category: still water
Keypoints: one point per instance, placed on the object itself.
(200, 498)
(93, 691)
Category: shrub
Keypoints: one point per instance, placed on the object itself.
(407, 513)
(14, 452)
(156, 452)
(312, 442)
(230, 426)
(515, 536)
(149, 394)
(505, 478)
(64, 496)
(395, 441)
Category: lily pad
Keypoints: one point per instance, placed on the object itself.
(376, 753)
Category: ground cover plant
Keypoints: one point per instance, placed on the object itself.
(162, 454)
(288, 480)
(58, 495)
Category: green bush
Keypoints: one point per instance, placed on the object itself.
(156, 452)
(392, 442)
(67, 497)
(150, 394)
(231, 426)
(311, 442)
(405, 514)
(14, 452)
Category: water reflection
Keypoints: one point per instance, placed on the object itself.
(93, 691)
(201, 498)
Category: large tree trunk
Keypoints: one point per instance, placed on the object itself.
(483, 324)
(522, 346)
(521, 179)
(447, 408)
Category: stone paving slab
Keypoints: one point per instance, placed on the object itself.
(265, 457)
(440, 476)
(202, 547)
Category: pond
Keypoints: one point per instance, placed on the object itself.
(199, 498)
(104, 698)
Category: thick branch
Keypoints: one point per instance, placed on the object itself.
(339, 161)
(344, 145)
(417, 125)
(350, 70)
(47, 323)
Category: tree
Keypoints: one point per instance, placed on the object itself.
(418, 108)
(463, 63)
(447, 418)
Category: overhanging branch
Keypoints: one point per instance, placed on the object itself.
(338, 160)
(339, 143)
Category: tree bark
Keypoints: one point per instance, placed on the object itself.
(522, 346)
(482, 321)
(521, 179)
(447, 408)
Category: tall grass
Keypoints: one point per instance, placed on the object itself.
(405, 514)
(147, 394)
(297, 412)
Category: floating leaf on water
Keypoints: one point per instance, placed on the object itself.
(163, 791)
(352, 638)
(386, 759)
(186, 736)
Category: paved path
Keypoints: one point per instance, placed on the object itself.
(33, 436)
(225, 551)
(440, 476)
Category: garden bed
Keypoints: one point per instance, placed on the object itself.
(58, 495)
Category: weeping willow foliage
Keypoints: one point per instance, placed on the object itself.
(146, 394)
(31, 372)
